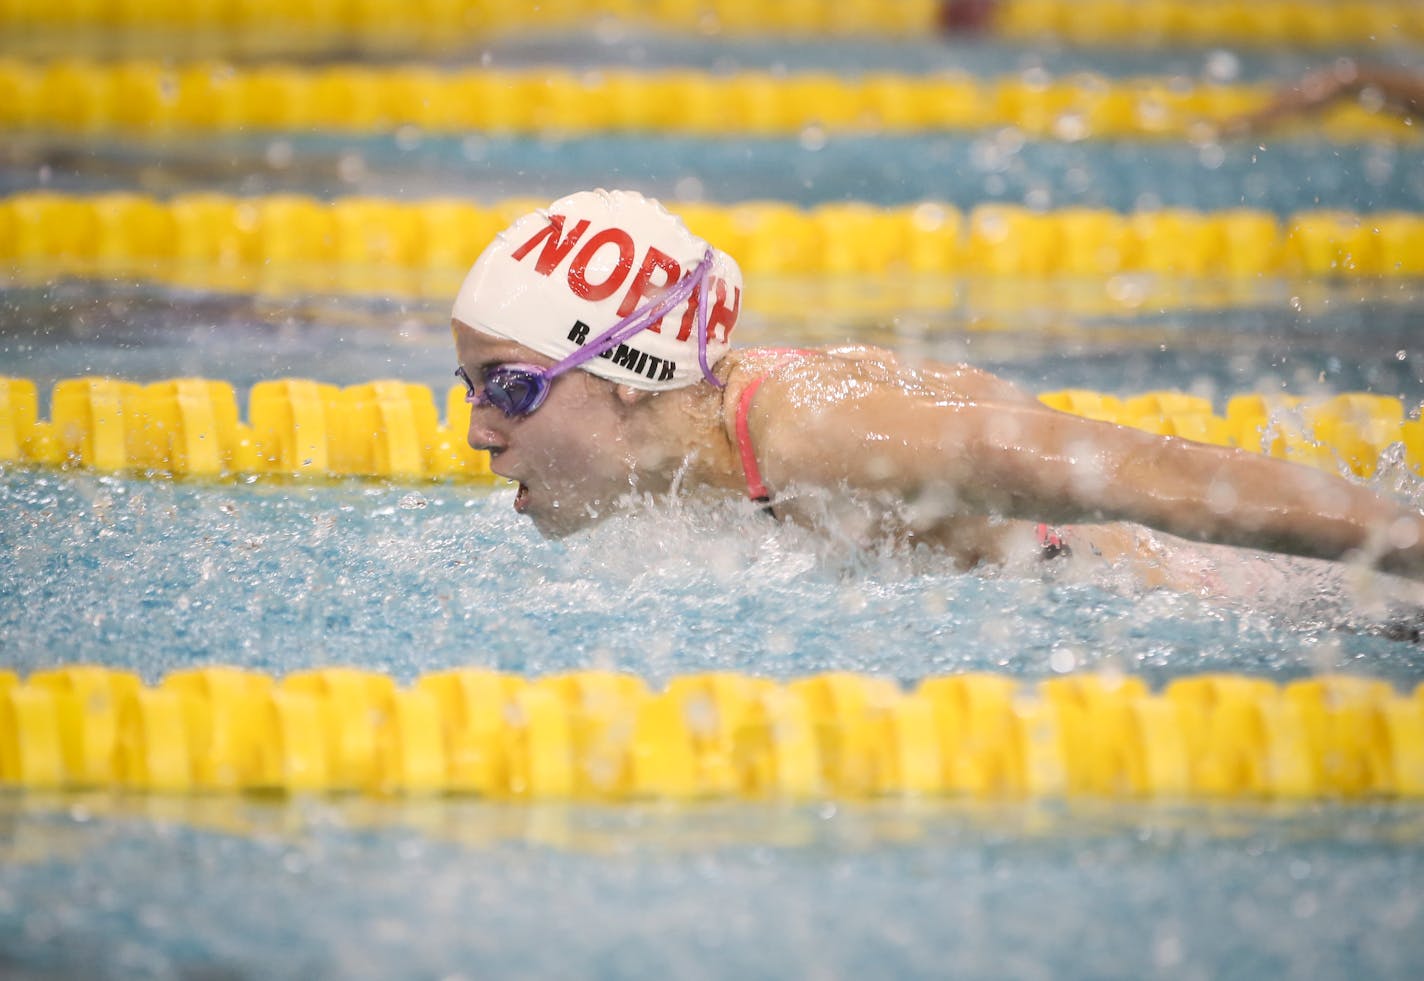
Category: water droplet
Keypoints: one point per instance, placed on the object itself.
(1036, 77)
(351, 167)
(1222, 66)
(689, 189)
(929, 217)
(1128, 290)
(1212, 156)
(1071, 127)
(813, 138)
(280, 154)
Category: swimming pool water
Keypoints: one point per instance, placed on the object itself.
(349, 889)
(154, 575)
(1308, 338)
(964, 169)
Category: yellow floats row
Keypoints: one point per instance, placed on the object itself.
(293, 232)
(599, 735)
(153, 97)
(391, 429)
(448, 23)
(1339, 433)
(190, 427)
(1251, 23)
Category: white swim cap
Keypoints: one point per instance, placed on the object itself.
(559, 277)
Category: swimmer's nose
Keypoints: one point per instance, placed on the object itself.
(481, 436)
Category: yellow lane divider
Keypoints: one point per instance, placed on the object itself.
(451, 22)
(602, 735)
(305, 238)
(190, 427)
(1344, 432)
(391, 429)
(1250, 23)
(153, 97)
(448, 23)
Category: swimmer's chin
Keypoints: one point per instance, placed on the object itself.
(554, 522)
(555, 519)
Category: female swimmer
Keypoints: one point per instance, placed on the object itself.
(593, 337)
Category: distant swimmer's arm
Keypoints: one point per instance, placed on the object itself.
(1031, 462)
(1399, 91)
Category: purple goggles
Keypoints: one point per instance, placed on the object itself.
(518, 389)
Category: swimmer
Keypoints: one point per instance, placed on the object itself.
(1379, 89)
(594, 340)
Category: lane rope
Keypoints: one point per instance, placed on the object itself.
(352, 239)
(190, 427)
(607, 736)
(156, 98)
(447, 24)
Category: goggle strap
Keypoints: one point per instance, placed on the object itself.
(639, 320)
(702, 304)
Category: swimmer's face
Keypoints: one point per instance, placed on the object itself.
(571, 457)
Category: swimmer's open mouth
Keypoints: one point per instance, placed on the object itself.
(521, 497)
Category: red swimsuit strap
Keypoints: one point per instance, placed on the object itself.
(756, 490)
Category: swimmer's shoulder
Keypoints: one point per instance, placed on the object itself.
(804, 402)
(742, 365)
(757, 383)
(788, 403)
(774, 366)
(870, 365)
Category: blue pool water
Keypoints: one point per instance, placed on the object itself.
(157, 575)
(1283, 175)
(1308, 338)
(344, 889)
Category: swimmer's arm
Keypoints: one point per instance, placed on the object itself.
(1034, 463)
(1400, 91)
(1096, 471)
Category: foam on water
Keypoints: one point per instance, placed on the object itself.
(156, 575)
